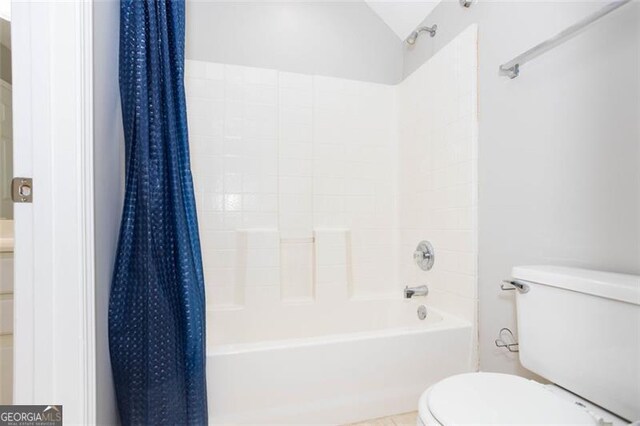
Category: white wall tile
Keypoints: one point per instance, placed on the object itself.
(262, 95)
(276, 155)
(221, 295)
(260, 76)
(296, 185)
(259, 220)
(296, 81)
(438, 177)
(214, 71)
(262, 296)
(295, 150)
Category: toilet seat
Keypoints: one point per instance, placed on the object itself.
(492, 398)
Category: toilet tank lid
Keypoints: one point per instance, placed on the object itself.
(609, 285)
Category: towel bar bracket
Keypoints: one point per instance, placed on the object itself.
(511, 72)
(511, 69)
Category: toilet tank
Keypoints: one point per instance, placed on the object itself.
(580, 329)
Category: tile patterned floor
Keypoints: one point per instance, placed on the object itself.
(406, 419)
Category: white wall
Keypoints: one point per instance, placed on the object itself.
(559, 146)
(438, 184)
(108, 171)
(337, 39)
(295, 179)
(402, 17)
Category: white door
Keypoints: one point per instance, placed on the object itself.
(54, 284)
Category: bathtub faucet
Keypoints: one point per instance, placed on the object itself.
(420, 290)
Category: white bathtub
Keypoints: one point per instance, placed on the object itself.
(305, 364)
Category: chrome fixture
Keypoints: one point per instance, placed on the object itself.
(521, 286)
(420, 290)
(414, 35)
(512, 68)
(466, 3)
(424, 256)
(506, 340)
(422, 312)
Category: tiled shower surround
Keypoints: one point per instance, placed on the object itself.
(437, 186)
(313, 189)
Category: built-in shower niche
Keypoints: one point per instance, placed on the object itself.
(334, 272)
(297, 265)
(257, 267)
(274, 267)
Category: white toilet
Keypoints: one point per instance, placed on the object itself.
(580, 330)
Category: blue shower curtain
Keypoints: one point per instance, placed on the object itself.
(157, 306)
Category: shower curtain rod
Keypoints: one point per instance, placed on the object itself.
(512, 68)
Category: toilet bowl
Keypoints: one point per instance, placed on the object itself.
(504, 399)
(573, 330)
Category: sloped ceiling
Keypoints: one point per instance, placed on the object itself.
(402, 16)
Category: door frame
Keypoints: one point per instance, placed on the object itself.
(54, 304)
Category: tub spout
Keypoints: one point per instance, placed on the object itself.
(420, 290)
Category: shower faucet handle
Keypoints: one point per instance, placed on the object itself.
(420, 255)
(424, 256)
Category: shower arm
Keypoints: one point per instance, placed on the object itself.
(431, 30)
(414, 35)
